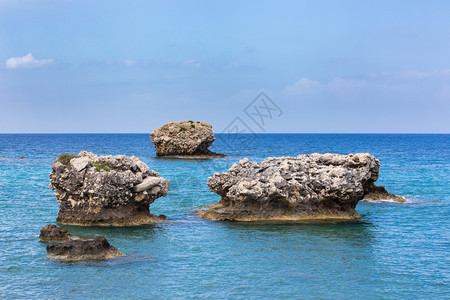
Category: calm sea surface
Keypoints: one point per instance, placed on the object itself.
(394, 251)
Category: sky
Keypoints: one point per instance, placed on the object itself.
(131, 66)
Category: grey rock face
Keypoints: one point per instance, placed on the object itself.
(52, 233)
(184, 139)
(105, 190)
(75, 249)
(311, 186)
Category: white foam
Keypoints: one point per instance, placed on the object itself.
(388, 200)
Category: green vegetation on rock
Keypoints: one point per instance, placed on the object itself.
(66, 157)
(101, 166)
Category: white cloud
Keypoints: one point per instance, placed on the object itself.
(129, 62)
(27, 61)
(306, 85)
(339, 83)
(415, 74)
(302, 85)
(191, 64)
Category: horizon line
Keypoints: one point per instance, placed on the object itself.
(56, 133)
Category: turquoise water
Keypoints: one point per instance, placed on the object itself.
(395, 250)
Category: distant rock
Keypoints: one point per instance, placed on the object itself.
(379, 193)
(314, 186)
(75, 249)
(52, 233)
(105, 190)
(185, 139)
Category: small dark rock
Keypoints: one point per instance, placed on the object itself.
(76, 249)
(378, 193)
(52, 233)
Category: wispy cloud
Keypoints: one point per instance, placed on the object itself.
(415, 74)
(306, 85)
(191, 64)
(237, 66)
(129, 62)
(344, 83)
(302, 85)
(27, 61)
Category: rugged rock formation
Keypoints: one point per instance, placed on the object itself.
(379, 193)
(77, 249)
(52, 233)
(184, 139)
(105, 190)
(311, 186)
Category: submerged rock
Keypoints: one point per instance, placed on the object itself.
(53, 233)
(379, 193)
(105, 190)
(185, 139)
(77, 249)
(311, 186)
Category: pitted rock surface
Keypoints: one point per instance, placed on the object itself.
(184, 139)
(314, 186)
(106, 190)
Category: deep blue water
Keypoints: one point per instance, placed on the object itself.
(394, 251)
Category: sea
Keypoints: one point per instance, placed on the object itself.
(395, 251)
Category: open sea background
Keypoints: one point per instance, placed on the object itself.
(395, 251)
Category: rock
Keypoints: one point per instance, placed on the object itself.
(150, 183)
(379, 193)
(311, 186)
(77, 249)
(52, 233)
(184, 139)
(80, 163)
(105, 190)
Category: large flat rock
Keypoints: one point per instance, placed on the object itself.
(315, 186)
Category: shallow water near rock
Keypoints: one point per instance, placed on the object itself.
(395, 250)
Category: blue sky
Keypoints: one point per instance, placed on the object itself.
(131, 66)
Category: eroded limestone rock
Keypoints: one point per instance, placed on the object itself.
(186, 139)
(313, 186)
(105, 190)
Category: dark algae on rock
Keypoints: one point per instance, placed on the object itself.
(75, 249)
(105, 190)
(67, 247)
(52, 233)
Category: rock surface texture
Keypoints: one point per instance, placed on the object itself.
(184, 139)
(105, 190)
(311, 186)
(52, 233)
(77, 249)
(379, 193)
